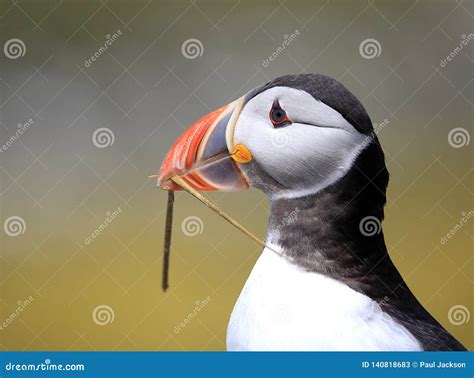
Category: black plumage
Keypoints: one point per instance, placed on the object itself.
(326, 236)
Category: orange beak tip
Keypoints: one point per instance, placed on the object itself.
(202, 155)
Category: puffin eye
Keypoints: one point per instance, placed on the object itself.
(278, 115)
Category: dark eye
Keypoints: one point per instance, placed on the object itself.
(278, 115)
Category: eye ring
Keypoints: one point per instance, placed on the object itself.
(278, 116)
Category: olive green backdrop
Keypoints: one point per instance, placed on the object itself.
(102, 119)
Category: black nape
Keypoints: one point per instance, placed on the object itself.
(324, 233)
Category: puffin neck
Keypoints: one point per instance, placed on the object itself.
(321, 232)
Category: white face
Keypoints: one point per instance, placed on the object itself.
(315, 150)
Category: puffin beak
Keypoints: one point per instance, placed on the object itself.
(205, 155)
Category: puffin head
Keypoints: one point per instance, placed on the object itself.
(291, 137)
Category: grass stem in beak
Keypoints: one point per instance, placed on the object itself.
(167, 242)
(183, 184)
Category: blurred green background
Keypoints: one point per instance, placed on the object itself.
(146, 88)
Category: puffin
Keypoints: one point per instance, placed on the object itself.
(325, 280)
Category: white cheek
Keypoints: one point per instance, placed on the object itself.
(302, 157)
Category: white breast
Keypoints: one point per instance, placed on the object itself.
(282, 307)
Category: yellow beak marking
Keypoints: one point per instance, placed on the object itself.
(241, 154)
